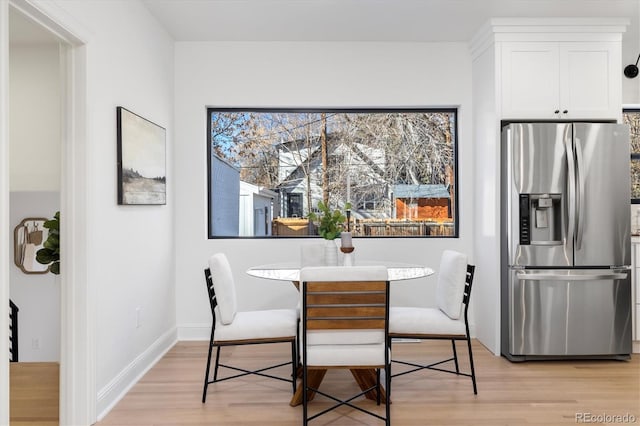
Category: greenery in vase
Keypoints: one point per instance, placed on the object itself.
(50, 253)
(330, 223)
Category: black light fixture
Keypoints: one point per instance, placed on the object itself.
(631, 71)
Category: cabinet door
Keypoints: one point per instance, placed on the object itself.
(590, 80)
(530, 83)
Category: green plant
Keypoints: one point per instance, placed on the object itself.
(330, 223)
(50, 253)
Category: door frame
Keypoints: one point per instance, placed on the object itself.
(78, 393)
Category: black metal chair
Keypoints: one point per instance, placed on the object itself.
(13, 331)
(449, 321)
(233, 328)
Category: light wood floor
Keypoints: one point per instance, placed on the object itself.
(33, 393)
(530, 393)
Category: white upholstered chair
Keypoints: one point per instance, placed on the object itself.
(449, 321)
(232, 328)
(345, 314)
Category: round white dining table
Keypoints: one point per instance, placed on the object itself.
(290, 271)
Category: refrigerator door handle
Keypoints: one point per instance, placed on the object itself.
(581, 194)
(571, 187)
(550, 276)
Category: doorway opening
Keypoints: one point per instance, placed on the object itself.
(75, 347)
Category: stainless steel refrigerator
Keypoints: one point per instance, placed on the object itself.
(565, 254)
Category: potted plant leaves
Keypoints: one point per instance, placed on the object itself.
(49, 254)
(330, 225)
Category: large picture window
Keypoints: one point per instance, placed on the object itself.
(394, 168)
(632, 118)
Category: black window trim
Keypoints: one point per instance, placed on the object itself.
(453, 110)
(634, 155)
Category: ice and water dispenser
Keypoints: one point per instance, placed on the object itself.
(540, 219)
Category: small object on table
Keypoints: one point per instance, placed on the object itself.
(346, 247)
(345, 240)
(348, 257)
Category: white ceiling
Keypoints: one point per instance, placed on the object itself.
(360, 20)
(343, 20)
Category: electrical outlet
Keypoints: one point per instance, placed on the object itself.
(35, 343)
(138, 322)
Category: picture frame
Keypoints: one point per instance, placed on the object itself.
(29, 237)
(141, 160)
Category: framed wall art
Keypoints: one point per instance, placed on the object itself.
(28, 238)
(142, 172)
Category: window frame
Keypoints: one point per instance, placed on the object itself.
(634, 156)
(455, 165)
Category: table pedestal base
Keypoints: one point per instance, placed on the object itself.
(365, 379)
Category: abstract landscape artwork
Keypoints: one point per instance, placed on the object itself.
(141, 160)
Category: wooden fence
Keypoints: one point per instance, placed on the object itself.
(291, 227)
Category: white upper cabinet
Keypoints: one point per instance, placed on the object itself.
(591, 79)
(561, 80)
(530, 83)
(551, 68)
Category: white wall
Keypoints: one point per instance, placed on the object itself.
(131, 248)
(35, 120)
(304, 75)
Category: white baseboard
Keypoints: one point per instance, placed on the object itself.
(636, 347)
(117, 388)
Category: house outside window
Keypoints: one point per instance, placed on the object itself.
(294, 205)
(396, 168)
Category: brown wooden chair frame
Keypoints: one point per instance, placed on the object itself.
(341, 305)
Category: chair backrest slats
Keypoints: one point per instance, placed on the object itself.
(338, 305)
(467, 287)
(345, 324)
(345, 298)
(321, 311)
(210, 290)
(467, 283)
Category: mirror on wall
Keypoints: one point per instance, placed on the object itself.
(29, 237)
